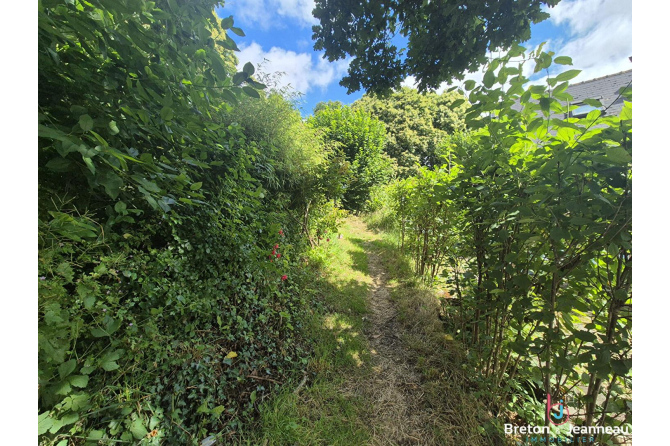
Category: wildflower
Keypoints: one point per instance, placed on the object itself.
(130, 325)
(278, 255)
(277, 246)
(327, 239)
(284, 277)
(108, 292)
(104, 310)
(281, 232)
(43, 277)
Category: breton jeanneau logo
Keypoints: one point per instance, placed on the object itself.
(557, 413)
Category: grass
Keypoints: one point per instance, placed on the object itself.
(331, 409)
(461, 416)
(328, 410)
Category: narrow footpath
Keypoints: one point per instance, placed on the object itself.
(399, 417)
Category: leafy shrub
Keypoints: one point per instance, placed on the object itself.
(532, 219)
(361, 140)
(169, 267)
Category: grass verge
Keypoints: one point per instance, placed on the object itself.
(461, 415)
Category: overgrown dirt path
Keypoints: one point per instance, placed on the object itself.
(398, 413)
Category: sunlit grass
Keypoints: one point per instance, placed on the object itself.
(327, 410)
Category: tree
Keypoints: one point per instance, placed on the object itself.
(416, 124)
(329, 104)
(361, 139)
(445, 39)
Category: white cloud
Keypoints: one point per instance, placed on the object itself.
(272, 13)
(583, 16)
(299, 69)
(600, 35)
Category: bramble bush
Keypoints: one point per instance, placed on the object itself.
(169, 259)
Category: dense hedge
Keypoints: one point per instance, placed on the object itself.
(168, 264)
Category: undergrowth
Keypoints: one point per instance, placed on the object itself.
(323, 407)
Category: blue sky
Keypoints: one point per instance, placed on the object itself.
(597, 34)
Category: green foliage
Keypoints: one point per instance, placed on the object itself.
(417, 124)
(169, 258)
(444, 39)
(360, 138)
(530, 224)
(323, 411)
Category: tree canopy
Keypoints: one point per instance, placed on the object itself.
(445, 39)
(361, 139)
(416, 124)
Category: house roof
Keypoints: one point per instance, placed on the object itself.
(605, 88)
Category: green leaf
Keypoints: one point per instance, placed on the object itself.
(545, 104)
(585, 336)
(618, 155)
(469, 84)
(229, 96)
(593, 102)
(167, 114)
(204, 407)
(567, 75)
(80, 381)
(622, 366)
(64, 269)
(95, 435)
(89, 301)
(89, 163)
(228, 44)
(112, 183)
(44, 423)
(240, 77)
(113, 128)
(251, 92)
(86, 123)
(218, 410)
(489, 79)
(120, 207)
(227, 22)
(138, 430)
(196, 186)
(248, 68)
(563, 60)
(218, 66)
(98, 333)
(237, 31)
(457, 103)
(109, 365)
(59, 164)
